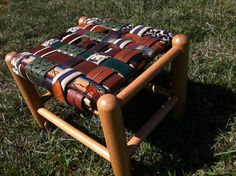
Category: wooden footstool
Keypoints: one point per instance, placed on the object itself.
(98, 66)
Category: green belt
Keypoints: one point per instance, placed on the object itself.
(68, 48)
(119, 66)
(96, 36)
(113, 25)
(38, 68)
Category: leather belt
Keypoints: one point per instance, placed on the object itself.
(158, 47)
(77, 60)
(139, 30)
(113, 25)
(149, 41)
(60, 36)
(87, 27)
(50, 75)
(97, 58)
(80, 31)
(24, 63)
(95, 28)
(93, 20)
(160, 35)
(132, 45)
(112, 50)
(85, 43)
(85, 67)
(37, 69)
(71, 50)
(146, 45)
(99, 47)
(99, 28)
(96, 36)
(126, 55)
(122, 68)
(122, 42)
(107, 77)
(60, 81)
(72, 29)
(109, 24)
(88, 87)
(117, 34)
(109, 39)
(100, 73)
(17, 61)
(147, 51)
(113, 82)
(37, 48)
(71, 38)
(132, 57)
(133, 37)
(59, 57)
(55, 71)
(44, 52)
(75, 99)
(73, 62)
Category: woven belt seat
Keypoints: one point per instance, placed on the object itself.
(96, 57)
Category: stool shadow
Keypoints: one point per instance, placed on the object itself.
(175, 147)
(186, 146)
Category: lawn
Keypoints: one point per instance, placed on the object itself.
(204, 143)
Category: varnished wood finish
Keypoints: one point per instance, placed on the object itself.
(75, 133)
(28, 91)
(179, 74)
(82, 20)
(112, 124)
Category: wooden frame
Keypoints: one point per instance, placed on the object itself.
(118, 151)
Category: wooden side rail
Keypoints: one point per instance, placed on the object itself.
(133, 143)
(75, 133)
(142, 80)
(149, 126)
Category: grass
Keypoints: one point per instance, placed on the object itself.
(203, 144)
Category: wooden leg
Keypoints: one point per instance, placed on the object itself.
(28, 91)
(179, 74)
(112, 124)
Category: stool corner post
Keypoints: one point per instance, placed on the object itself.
(82, 19)
(179, 74)
(28, 91)
(9, 57)
(109, 111)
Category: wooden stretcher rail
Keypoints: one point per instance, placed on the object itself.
(74, 132)
(45, 97)
(158, 90)
(143, 79)
(135, 141)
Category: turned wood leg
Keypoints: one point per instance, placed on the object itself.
(112, 124)
(179, 74)
(28, 91)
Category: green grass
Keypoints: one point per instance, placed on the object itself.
(203, 144)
